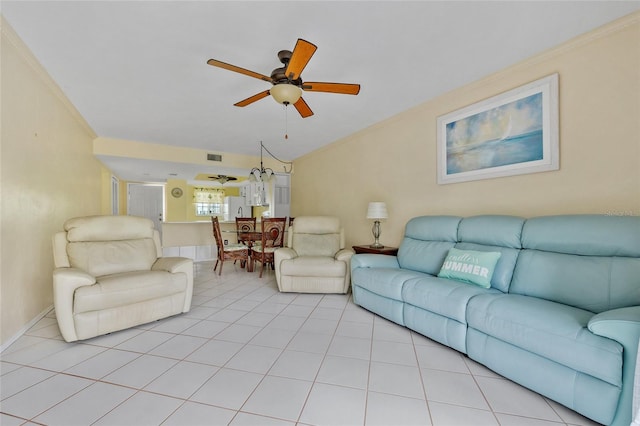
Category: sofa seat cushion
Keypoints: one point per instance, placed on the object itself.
(442, 296)
(549, 329)
(314, 266)
(387, 282)
(111, 291)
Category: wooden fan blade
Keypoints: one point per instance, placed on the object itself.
(302, 52)
(224, 65)
(252, 99)
(343, 88)
(303, 108)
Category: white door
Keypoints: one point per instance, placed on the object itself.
(146, 201)
(115, 193)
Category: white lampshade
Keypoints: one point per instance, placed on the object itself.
(286, 93)
(377, 210)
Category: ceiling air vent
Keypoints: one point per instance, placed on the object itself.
(214, 157)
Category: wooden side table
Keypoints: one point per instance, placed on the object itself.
(391, 251)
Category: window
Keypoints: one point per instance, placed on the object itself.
(208, 201)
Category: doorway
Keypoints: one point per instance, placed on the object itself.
(146, 200)
(115, 193)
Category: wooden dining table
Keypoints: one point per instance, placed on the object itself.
(248, 238)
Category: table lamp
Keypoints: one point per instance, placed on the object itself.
(377, 210)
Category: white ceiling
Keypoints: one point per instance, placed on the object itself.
(137, 70)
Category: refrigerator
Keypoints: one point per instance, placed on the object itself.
(235, 207)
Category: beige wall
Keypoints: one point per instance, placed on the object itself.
(48, 174)
(395, 160)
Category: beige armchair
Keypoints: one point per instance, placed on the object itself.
(110, 275)
(315, 260)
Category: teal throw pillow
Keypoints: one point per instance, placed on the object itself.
(470, 266)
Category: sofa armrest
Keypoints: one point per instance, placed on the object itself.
(65, 283)
(176, 265)
(623, 326)
(368, 260)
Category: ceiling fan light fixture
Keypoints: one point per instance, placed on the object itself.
(285, 93)
(287, 80)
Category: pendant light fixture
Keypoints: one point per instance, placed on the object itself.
(261, 174)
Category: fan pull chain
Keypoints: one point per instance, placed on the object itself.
(286, 122)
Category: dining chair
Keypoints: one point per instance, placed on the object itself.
(272, 239)
(245, 224)
(227, 252)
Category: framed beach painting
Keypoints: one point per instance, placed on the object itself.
(513, 133)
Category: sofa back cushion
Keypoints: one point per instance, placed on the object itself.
(587, 261)
(494, 233)
(105, 245)
(112, 257)
(108, 228)
(316, 236)
(426, 242)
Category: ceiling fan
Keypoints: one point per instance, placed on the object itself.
(287, 81)
(223, 178)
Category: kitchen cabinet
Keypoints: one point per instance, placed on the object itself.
(256, 194)
(235, 207)
(275, 194)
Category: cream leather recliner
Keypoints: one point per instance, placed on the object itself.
(110, 275)
(315, 260)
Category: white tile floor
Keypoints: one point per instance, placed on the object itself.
(249, 355)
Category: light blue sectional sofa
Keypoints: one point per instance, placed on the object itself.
(561, 315)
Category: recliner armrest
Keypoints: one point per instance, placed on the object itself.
(172, 264)
(176, 265)
(65, 283)
(284, 253)
(344, 254)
